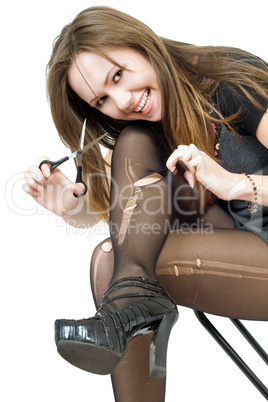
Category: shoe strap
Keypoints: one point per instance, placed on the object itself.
(150, 288)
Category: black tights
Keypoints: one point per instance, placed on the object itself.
(136, 206)
(203, 263)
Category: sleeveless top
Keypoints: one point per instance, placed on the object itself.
(243, 154)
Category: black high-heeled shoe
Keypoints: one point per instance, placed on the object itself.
(98, 344)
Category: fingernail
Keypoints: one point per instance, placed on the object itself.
(46, 172)
(40, 189)
(191, 184)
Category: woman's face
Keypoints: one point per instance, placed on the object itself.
(128, 93)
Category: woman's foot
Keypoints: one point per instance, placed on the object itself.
(98, 344)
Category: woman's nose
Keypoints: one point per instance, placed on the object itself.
(123, 100)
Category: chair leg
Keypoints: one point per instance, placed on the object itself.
(232, 353)
(250, 339)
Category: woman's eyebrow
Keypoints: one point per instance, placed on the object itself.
(105, 84)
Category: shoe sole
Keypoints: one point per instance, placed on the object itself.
(89, 357)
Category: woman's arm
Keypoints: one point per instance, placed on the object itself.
(261, 182)
(54, 191)
(224, 184)
(84, 217)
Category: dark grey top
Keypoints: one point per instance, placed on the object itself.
(243, 155)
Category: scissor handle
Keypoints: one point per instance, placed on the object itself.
(79, 180)
(54, 165)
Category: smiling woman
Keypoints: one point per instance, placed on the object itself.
(121, 83)
(178, 117)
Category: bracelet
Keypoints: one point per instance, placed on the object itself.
(253, 208)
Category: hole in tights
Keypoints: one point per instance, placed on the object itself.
(132, 201)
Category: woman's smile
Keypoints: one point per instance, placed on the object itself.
(145, 104)
(126, 90)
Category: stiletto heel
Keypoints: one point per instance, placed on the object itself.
(159, 345)
(98, 344)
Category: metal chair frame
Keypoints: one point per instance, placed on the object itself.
(233, 354)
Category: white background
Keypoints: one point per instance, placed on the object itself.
(45, 264)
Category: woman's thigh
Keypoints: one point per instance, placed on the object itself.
(219, 271)
(224, 272)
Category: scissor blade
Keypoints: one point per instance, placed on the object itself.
(92, 143)
(82, 138)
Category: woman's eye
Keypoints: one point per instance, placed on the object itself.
(101, 101)
(116, 78)
(118, 75)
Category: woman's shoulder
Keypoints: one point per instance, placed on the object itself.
(231, 100)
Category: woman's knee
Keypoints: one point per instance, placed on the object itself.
(136, 132)
(138, 142)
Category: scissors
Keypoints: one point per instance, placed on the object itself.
(78, 155)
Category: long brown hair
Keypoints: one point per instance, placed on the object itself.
(188, 77)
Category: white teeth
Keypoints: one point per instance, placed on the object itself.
(144, 102)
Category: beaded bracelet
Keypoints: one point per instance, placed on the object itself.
(253, 208)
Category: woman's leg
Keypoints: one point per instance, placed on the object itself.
(141, 207)
(140, 213)
(140, 203)
(140, 210)
(223, 273)
(130, 379)
(220, 271)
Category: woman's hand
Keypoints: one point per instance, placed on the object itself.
(53, 190)
(202, 168)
